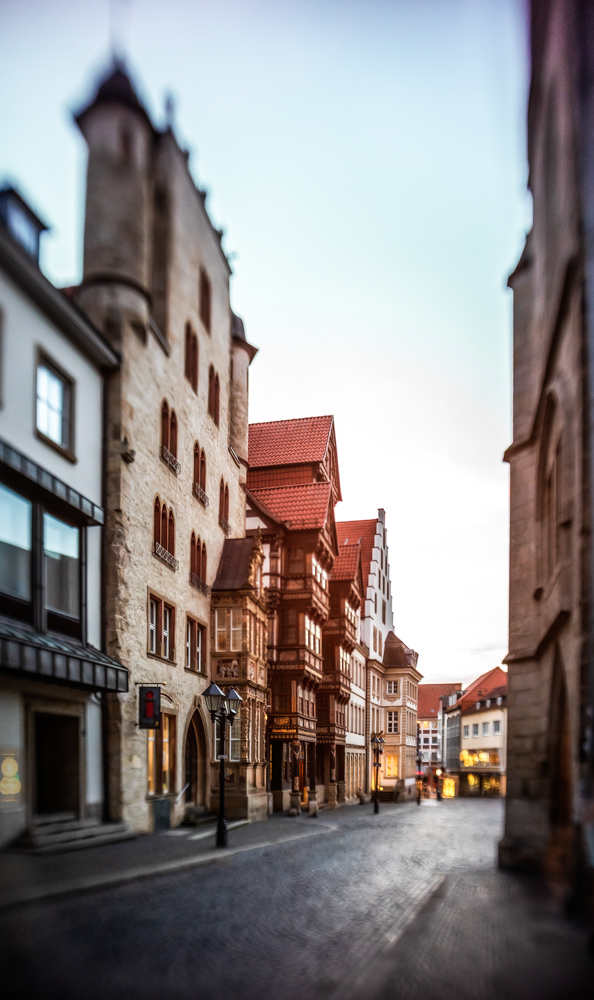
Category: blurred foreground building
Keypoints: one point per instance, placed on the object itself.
(54, 675)
(550, 805)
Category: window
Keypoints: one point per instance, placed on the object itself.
(15, 544)
(350, 613)
(313, 635)
(195, 640)
(319, 573)
(288, 627)
(191, 357)
(169, 437)
(466, 731)
(164, 533)
(392, 722)
(61, 568)
(296, 561)
(485, 728)
(229, 630)
(391, 766)
(496, 727)
(392, 687)
(383, 612)
(380, 643)
(235, 738)
(197, 563)
(374, 639)
(224, 506)
(344, 661)
(161, 628)
(205, 298)
(375, 602)
(475, 729)
(213, 395)
(54, 405)
(199, 477)
(161, 757)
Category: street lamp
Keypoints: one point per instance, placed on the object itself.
(222, 708)
(377, 745)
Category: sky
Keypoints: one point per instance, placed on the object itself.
(367, 160)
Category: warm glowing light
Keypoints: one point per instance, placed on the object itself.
(449, 788)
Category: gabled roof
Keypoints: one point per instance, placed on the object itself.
(482, 687)
(234, 565)
(302, 507)
(428, 702)
(346, 566)
(355, 531)
(289, 442)
(115, 88)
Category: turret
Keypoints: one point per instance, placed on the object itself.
(242, 355)
(118, 217)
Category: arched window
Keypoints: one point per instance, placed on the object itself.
(173, 434)
(203, 471)
(211, 391)
(199, 560)
(164, 526)
(165, 424)
(193, 563)
(205, 298)
(188, 352)
(194, 378)
(216, 400)
(221, 499)
(171, 534)
(157, 521)
(226, 508)
(196, 463)
(204, 561)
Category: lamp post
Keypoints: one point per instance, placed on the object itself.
(377, 745)
(222, 708)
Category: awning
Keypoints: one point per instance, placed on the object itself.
(25, 652)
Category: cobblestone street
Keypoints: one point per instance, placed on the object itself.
(405, 904)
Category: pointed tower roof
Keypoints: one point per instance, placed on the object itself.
(115, 88)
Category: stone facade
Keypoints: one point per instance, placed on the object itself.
(550, 464)
(156, 281)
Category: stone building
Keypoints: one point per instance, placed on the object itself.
(550, 698)
(54, 674)
(156, 283)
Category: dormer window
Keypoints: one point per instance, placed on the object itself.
(21, 222)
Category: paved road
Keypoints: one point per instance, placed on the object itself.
(324, 917)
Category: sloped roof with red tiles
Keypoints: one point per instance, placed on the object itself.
(302, 507)
(346, 566)
(289, 442)
(428, 700)
(355, 531)
(482, 687)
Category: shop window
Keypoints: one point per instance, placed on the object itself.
(391, 766)
(161, 757)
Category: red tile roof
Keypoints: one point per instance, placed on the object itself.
(363, 531)
(483, 687)
(302, 507)
(428, 703)
(346, 565)
(289, 442)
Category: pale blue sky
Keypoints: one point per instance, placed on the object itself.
(367, 160)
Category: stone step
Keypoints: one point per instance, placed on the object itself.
(43, 828)
(83, 834)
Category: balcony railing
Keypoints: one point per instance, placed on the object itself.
(199, 584)
(170, 459)
(224, 524)
(200, 495)
(166, 556)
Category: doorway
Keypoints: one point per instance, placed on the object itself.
(195, 763)
(57, 764)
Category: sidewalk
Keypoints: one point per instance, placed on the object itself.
(25, 878)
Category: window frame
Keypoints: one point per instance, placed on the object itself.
(162, 604)
(35, 611)
(197, 630)
(156, 737)
(67, 450)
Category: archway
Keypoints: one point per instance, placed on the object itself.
(195, 763)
